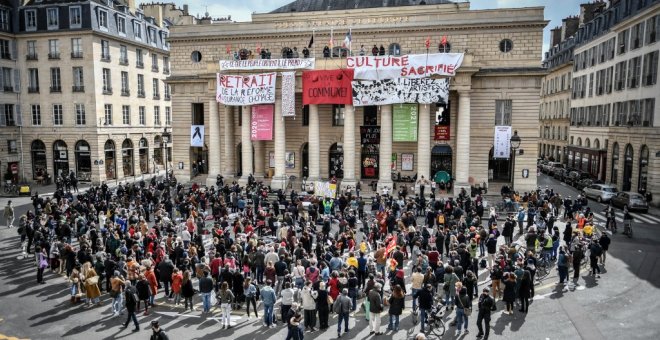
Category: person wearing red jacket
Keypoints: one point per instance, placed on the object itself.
(153, 283)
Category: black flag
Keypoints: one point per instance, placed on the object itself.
(311, 42)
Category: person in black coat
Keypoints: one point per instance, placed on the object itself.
(396, 302)
(165, 270)
(322, 306)
(524, 291)
(131, 299)
(187, 290)
(143, 292)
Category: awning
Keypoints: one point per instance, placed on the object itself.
(441, 149)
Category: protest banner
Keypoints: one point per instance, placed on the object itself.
(268, 64)
(407, 66)
(261, 126)
(400, 90)
(246, 90)
(327, 87)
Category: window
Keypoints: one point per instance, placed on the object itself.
(506, 45)
(620, 76)
(105, 50)
(36, 114)
(8, 118)
(75, 17)
(622, 41)
(142, 115)
(608, 80)
(78, 80)
(168, 115)
(370, 114)
(53, 49)
(55, 80)
(103, 20)
(53, 18)
(140, 86)
(337, 115)
(4, 20)
(591, 85)
(124, 84)
(139, 61)
(166, 90)
(33, 80)
(108, 114)
(652, 28)
(636, 33)
(31, 50)
(126, 114)
(634, 117)
(107, 81)
(137, 30)
(650, 76)
(154, 62)
(166, 65)
(5, 52)
(394, 49)
(196, 56)
(156, 115)
(76, 48)
(123, 55)
(58, 117)
(121, 26)
(634, 68)
(615, 163)
(7, 79)
(444, 48)
(155, 88)
(152, 36)
(648, 112)
(31, 20)
(12, 146)
(80, 114)
(503, 110)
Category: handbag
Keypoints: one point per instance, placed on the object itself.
(466, 310)
(92, 281)
(330, 300)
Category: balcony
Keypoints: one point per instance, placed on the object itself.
(33, 89)
(107, 90)
(105, 57)
(140, 94)
(156, 96)
(125, 92)
(54, 55)
(31, 57)
(78, 88)
(139, 64)
(55, 89)
(123, 61)
(76, 55)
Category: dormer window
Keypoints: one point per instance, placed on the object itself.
(53, 18)
(103, 20)
(121, 25)
(137, 29)
(31, 20)
(75, 17)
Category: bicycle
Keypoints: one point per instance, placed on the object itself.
(628, 228)
(11, 189)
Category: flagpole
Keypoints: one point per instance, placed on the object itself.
(313, 49)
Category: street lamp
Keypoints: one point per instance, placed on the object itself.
(515, 144)
(166, 140)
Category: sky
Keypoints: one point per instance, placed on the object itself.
(241, 10)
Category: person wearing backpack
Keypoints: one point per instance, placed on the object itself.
(250, 297)
(226, 297)
(342, 307)
(131, 305)
(375, 308)
(594, 255)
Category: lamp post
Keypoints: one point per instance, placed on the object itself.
(166, 140)
(515, 144)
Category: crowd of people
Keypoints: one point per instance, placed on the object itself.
(234, 246)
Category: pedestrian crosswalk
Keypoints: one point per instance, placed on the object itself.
(637, 218)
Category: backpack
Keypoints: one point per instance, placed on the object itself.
(597, 250)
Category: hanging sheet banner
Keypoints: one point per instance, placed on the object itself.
(197, 135)
(289, 94)
(407, 66)
(267, 64)
(325, 189)
(370, 134)
(404, 123)
(261, 126)
(327, 87)
(246, 90)
(502, 145)
(400, 90)
(442, 122)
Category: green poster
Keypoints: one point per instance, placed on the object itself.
(404, 122)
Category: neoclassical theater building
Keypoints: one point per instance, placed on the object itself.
(497, 85)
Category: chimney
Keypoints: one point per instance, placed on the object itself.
(185, 9)
(158, 15)
(569, 26)
(555, 36)
(131, 5)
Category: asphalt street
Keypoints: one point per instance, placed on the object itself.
(621, 304)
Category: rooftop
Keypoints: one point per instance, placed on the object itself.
(335, 5)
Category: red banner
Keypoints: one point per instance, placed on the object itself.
(441, 132)
(261, 127)
(328, 87)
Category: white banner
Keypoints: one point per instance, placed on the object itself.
(267, 64)
(400, 90)
(289, 94)
(325, 189)
(407, 66)
(246, 90)
(197, 135)
(502, 144)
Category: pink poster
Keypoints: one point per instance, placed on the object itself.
(261, 127)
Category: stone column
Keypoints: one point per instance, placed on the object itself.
(259, 159)
(424, 142)
(314, 144)
(279, 179)
(349, 147)
(385, 155)
(463, 143)
(229, 157)
(214, 143)
(246, 144)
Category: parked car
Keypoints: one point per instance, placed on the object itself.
(554, 167)
(576, 176)
(560, 174)
(600, 192)
(631, 200)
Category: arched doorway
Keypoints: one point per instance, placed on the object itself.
(83, 157)
(369, 161)
(615, 164)
(499, 169)
(627, 168)
(239, 159)
(643, 169)
(143, 151)
(304, 159)
(60, 158)
(110, 160)
(336, 161)
(440, 160)
(39, 162)
(158, 150)
(127, 157)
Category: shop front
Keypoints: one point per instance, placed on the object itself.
(60, 158)
(588, 160)
(39, 161)
(83, 161)
(110, 160)
(144, 155)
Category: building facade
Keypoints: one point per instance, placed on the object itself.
(498, 84)
(89, 88)
(614, 131)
